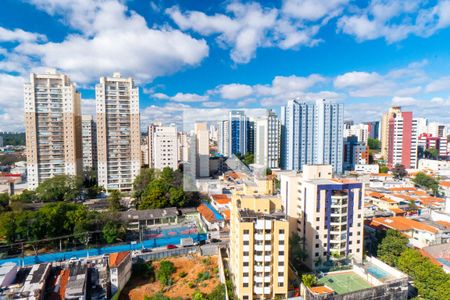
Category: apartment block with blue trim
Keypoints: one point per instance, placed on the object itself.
(328, 213)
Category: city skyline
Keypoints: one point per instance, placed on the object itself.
(195, 55)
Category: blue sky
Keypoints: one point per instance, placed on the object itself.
(234, 54)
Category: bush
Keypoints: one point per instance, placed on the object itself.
(203, 276)
(183, 274)
(191, 285)
(165, 271)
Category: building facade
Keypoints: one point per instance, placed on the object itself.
(202, 149)
(267, 141)
(237, 132)
(385, 129)
(118, 132)
(402, 140)
(89, 141)
(223, 137)
(328, 214)
(361, 131)
(312, 134)
(52, 127)
(259, 247)
(165, 147)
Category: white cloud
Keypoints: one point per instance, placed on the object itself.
(244, 31)
(235, 91)
(312, 9)
(181, 97)
(395, 20)
(111, 38)
(245, 27)
(19, 35)
(11, 102)
(356, 79)
(440, 84)
(88, 107)
(212, 104)
(404, 101)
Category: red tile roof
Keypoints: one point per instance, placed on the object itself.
(402, 224)
(206, 213)
(321, 290)
(115, 259)
(220, 198)
(226, 214)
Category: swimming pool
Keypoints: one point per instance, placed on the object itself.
(217, 215)
(377, 272)
(59, 256)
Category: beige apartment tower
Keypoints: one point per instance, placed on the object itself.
(385, 129)
(53, 127)
(89, 141)
(259, 247)
(328, 213)
(202, 149)
(118, 132)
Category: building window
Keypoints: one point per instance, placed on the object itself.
(245, 274)
(316, 254)
(246, 231)
(280, 274)
(280, 284)
(358, 242)
(281, 231)
(281, 253)
(359, 232)
(357, 250)
(245, 263)
(281, 263)
(317, 236)
(317, 227)
(281, 242)
(246, 243)
(245, 253)
(317, 219)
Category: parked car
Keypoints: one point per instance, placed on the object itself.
(170, 246)
(146, 250)
(214, 241)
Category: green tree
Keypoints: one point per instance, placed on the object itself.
(112, 231)
(113, 199)
(248, 159)
(431, 153)
(218, 293)
(90, 184)
(178, 197)
(155, 195)
(374, 144)
(165, 271)
(399, 171)
(142, 269)
(309, 280)
(142, 181)
(391, 247)
(59, 188)
(384, 169)
(26, 196)
(296, 253)
(4, 201)
(8, 226)
(430, 280)
(426, 181)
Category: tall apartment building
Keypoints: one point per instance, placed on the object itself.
(374, 129)
(402, 140)
(164, 147)
(53, 127)
(259, 247)
(312, 134)
(267, 140)
(223, 136)
(202, 149)
(361, 131)
(251, 136)
(118, 132)
(89, 141)
(427, 141)
(144, 151)
(183, 147)
(328, 214)
(355, 153)
(237, 132)
(385, 129)
(150, 137)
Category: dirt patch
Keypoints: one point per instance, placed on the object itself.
(182, 287)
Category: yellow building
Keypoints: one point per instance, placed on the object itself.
(259, 245)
